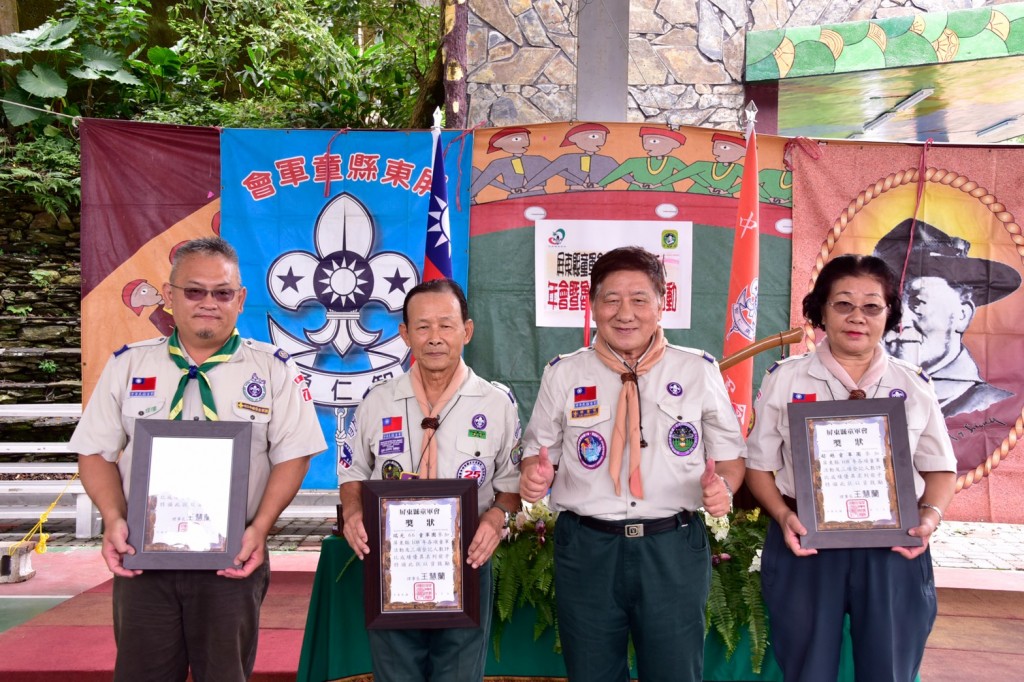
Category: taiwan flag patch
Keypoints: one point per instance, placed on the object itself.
(391, 424)
(805, 397)
(143, 387)
(584, 396)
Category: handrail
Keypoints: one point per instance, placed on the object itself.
(767, 343)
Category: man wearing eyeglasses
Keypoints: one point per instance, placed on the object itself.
(168, 623)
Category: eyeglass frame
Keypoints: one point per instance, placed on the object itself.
(212, 293)
(863, 308)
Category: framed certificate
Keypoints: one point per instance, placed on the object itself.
(854, 474)
(416, 575)
(187, 495)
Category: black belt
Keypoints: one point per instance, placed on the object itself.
(637, 529)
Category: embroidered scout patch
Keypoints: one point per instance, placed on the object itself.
(391, 446)
(390, 470)
(591, 448)
(805, 397)
(682, 439)
(516, 455)
(674, 388)
(143, 387)
(475, 469)
(345, 458)
(584, 402)
(479, 421)
(255, 389)
(898, 393)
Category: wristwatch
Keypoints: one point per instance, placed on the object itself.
(508, 514)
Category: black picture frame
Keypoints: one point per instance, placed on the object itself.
(890, 467)
(188, 493)
(390, 602)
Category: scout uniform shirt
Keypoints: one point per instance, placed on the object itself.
(258, 384)
(686, 416)
(803, 378)
(478, 437)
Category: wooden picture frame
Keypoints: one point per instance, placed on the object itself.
(188, 493)
(416, 575)
(854, 474)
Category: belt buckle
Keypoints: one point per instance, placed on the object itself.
(634, 530)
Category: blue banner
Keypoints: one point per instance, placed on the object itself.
(331, 230)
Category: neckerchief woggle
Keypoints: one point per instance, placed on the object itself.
(189, 372)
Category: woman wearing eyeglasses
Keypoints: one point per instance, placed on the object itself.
(888, 593)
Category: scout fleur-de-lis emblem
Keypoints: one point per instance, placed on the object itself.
(342, 276)
(744, 312)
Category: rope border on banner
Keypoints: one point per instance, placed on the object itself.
(964, 184)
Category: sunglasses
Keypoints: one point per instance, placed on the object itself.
(869, 309)
(199, 294)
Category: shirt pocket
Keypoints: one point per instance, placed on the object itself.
(475, 458)
(679, 428)
(588, 440)
(259, 418)
(147, 407)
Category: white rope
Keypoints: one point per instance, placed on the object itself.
(74, 119)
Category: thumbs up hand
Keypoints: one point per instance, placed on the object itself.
(717, 498)
(536, 477)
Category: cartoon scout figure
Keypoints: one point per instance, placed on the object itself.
(652, 171)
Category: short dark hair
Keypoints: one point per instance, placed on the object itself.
(437, 286)
(633, 258)
(853, 266)
(204, 246)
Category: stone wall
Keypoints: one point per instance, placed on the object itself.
(40, 312)
(685, 56)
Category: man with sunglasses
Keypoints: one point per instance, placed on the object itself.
(170, 622)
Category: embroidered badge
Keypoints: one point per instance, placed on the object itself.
(143, 387)
(479, 421)
(682, 439)
(674, 389)
(519, 430)
(475, 469)
(391, 427)
(584, 402)
(252, 408)
(281, 355)
(390, 470)
(391, 446)
(345, 458)
(516, 455)
(255, 389)
(898, 393)
(591, 448)
(300, 380)
(805, 397)
(477, 433)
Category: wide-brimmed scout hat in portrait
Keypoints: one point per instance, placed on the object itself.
(934, 253)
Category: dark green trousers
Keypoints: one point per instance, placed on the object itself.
(654, 588)
(447, 655)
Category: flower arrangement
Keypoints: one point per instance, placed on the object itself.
(524, 571)
(523, 566)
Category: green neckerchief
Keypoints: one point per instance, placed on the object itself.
(192, 372)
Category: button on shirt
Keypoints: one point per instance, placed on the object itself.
(768, 445)
(687, 418)
(477, 438)
(255, 385)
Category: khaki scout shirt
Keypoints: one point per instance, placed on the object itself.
(804, 377)
(686, 416)
(258, 384)
(478, 437)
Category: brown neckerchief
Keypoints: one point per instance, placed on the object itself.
(627, 412)
(428, 464)
(871, 376)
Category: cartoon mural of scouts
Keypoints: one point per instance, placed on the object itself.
(513, 173)
(580, 171)
(658, 166)
(720, 177)
(138, 294)
(776, 187)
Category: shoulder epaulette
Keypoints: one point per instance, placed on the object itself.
(694, 351)
(269, 348)
(911, 368)
(779, 363)
(564, 356)
(375, 384)
(554, 361)
(139, 344)
(508, 391)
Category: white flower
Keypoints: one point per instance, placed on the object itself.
(719, 526)
(755, 563)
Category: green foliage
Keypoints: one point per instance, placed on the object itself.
(19, 310)
(44, 278)
(524, 569)
(735, 603)
(47, 366)
(46, 169)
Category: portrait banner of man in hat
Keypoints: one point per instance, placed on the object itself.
(951, 240)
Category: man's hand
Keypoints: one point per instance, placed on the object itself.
(924, 531)
(487, 537)
(715, 496)
(792, 530)
(536, 477)
(355, 533)
(115, 546)
(250, 556)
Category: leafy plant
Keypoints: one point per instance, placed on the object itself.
(43, 278)
(46, 169)
(19, 310)
(735, 603)
(47, 366)
(523, 569)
